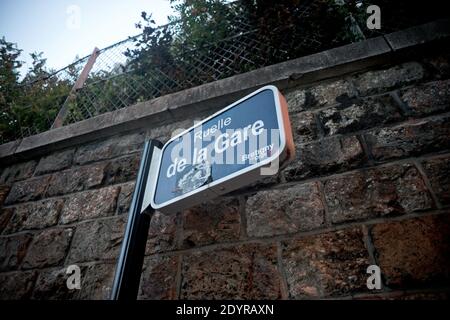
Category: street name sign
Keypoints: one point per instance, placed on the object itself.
(234, 147)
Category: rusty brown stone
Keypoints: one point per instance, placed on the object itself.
(28, 190)
(360, 114)
(90, 204)
(325, 265)
(162, 233)
(414, 252)
(284, 211)
(410, 139)
(49, 248)
(325, 156)
(379, 192)
(122, 169)
(76, 179)
(212, 222)
(35, 215)
(13, 250)
(158, 279)
(429, 98)
(243, 272)
(97, 240)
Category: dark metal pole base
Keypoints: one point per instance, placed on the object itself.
(129, 265)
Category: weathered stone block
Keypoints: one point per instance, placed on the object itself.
(360, 114)
(28, 190)
(97, 240)
(125, 197)
(430, 98)
(17, 285)
(13, 250)
(18, 172)
(51, 284)
(56, 161)
(49, 248)
(36, 215)
(304, 127)
(332, 92)
(388, 79)
(5, 216)
(283, 211)
(212, 222)
(97, 281)
(296, 100)
(162, 233)
(438, 172)
(158, 279)
(328, 93)
(90, 204)
(411, 139)
(324, 265)
(243, 272)
(122, 169)
(325, 156)
(414, 252)
(113, 147)
(77, 179)
(375, 193)
(4, 190)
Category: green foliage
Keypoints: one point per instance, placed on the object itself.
(202, 22)
(9, 89)
(194, 44)
(152, 54)
(29, 105)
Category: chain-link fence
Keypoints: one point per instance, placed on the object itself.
(235, 38)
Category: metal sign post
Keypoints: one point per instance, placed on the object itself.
(230, 149)
(129, 265)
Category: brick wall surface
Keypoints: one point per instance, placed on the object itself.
(370, 185)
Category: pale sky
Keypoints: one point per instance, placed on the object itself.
(64, 28)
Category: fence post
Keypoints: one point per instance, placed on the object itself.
(59, 120)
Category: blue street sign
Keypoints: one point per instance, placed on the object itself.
(234, 147)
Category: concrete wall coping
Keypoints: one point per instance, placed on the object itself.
(172, 107)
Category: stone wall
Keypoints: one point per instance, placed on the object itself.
(370, 185)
